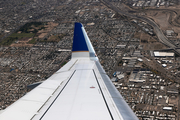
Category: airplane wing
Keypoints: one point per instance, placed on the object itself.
(80, 90)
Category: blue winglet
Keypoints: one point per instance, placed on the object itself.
(79, 42)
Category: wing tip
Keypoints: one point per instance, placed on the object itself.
(82, 46)
(77, 24)
(79, 42)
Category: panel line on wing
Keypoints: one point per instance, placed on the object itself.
(103, 96)
(57, 95)
(73, 64)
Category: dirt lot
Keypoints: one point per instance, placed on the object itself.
(165, 19)
(49, 27)
(160, 18)
(21, 43)
(173, 100)
(148, 42)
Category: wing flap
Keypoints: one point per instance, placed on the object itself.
(22, 110)
(32, 102)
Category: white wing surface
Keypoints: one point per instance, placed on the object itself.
(80, 90)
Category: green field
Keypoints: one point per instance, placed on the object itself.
(15, 36)
(22, 35)
(33, 41)
(7, 41)
(25, 33)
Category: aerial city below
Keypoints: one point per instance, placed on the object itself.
(137, 43)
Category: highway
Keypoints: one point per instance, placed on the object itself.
(162, 38)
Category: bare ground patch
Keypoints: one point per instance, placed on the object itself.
(165, 20)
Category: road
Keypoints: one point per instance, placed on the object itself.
(162, 38)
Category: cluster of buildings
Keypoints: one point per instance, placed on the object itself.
(21, 67)
(150, 95)
(152, 3)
